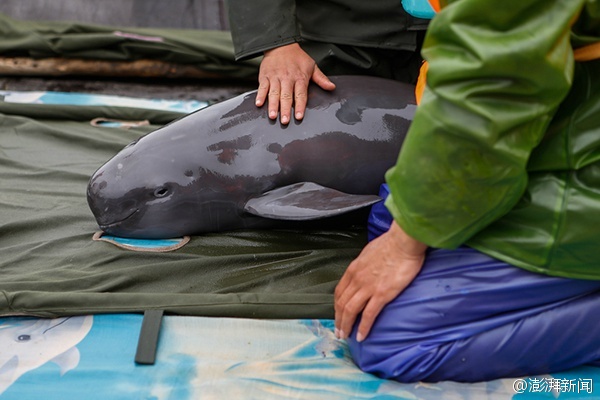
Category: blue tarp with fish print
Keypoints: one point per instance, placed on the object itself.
(92, 357)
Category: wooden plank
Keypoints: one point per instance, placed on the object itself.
(24, 66)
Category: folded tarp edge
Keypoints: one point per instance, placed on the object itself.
(241, 305)
(87, 113)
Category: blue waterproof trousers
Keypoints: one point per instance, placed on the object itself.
(469, 317)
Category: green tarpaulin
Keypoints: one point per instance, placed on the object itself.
(49, 264)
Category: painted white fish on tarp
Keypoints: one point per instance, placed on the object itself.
(29, 343)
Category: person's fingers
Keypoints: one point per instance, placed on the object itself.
(284, 75)
(300, 98)
(286, 99)
(349, 311)
(342, 286)
(369, 313)
(274, 94)
(322, 80)
(262, 92)
(338, 303)
(345, 290)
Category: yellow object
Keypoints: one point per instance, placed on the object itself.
(586, 53)
(421, 82)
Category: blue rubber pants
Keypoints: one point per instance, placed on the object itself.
(468, 317)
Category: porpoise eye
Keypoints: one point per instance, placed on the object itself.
(161, 192)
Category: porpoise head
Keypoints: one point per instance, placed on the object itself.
(148, 191)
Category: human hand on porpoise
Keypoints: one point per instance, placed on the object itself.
(284, 75)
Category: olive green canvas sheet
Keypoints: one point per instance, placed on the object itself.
(210, 51)
(50, 266)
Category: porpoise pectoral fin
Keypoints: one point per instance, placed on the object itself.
(306, 201)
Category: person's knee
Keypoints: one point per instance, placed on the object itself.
(404, 361)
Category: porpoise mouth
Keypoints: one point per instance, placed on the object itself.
(112, 224)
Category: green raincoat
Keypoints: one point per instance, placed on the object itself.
(504, 151)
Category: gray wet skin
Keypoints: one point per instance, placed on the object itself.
(196, 174)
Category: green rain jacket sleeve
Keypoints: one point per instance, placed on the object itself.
(497, 72)
(259, 25)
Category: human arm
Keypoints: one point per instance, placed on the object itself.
(495, 80)
(286, 70)
(260, 25)
(494, 84)
(385, 267)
